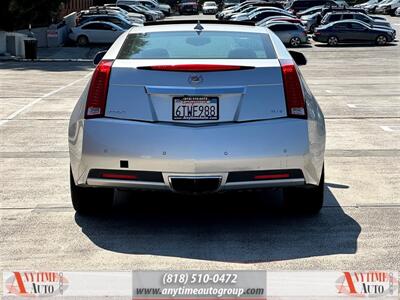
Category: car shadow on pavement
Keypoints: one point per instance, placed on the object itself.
(240, 227)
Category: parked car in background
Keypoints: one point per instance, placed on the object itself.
(267, 20)
(262, 14)
(353, 31)
(115, 19)
(95, 32)
(148, 14)
(251, 100)
(131, 14)
(133, 17)
(379, 9)
(310, 11)
(290, 34)
(188, 7)
(148, 5)
(371, 7)
(389, 8)
(209, 8)
(312, 21)
(338, 16)
(300, 5)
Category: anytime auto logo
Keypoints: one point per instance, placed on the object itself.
(367, 284)
(36, 284)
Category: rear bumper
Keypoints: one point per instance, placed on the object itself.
(182, 151)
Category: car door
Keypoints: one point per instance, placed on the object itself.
(109, 33)
(279, 30)
(91, 30)
(355, 32)
(362, 32)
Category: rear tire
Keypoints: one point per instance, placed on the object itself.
(90, 201)
(82, 40)
(305, 200)
(381, 40)
(295, 41)
(333, 41)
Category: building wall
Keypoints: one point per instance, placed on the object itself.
(75, 5)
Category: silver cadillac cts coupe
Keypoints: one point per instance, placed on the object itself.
(197, 108)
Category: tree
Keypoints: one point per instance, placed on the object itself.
(18, 14)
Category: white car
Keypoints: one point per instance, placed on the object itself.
(382, 6)
(96, 32)
(397, 12)
(210, 8)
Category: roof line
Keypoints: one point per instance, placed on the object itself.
(173, 22)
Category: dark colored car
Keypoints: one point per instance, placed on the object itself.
(353, 32)
(338, 16)
(341, 9)
(300, 5)
(188, 7)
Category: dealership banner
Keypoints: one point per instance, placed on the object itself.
(216, 284)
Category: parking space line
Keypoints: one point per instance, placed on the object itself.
(351, 105)
(22, 109)
(391, 128)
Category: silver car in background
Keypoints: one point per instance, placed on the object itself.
(290, 34)
(197, 108)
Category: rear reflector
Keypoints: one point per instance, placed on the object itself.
(118, 176)
(195, 68)
(272, 176)
(295, 103)
(97, 95)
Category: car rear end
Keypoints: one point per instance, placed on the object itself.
(210, 109)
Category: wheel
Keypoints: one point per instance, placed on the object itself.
(306, 200)
(89, 201)
(82, 40)
(333, 41)
(295, 41)
(381, 40)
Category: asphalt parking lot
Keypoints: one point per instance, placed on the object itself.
(358, 88)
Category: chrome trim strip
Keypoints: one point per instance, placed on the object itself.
(263, 183)
(127, 184)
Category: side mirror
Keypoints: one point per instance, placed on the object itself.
(98, 57)
(298, 57)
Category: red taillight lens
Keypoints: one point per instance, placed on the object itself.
(295, 104)
(195, 68)
(272, 176)
(97, 96)
(119, 176)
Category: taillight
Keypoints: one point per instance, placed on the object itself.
(195, 68)
(97, 96)
(295, 104)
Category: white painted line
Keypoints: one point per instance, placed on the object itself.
(16, 113)
(392, 128)
(351, 105)
(329, 91)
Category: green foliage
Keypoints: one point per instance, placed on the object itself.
(18, 14)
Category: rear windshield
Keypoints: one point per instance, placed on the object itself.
(197, 45)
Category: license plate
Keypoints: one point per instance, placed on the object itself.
(195, 108)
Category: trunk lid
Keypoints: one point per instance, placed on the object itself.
(256, 93)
